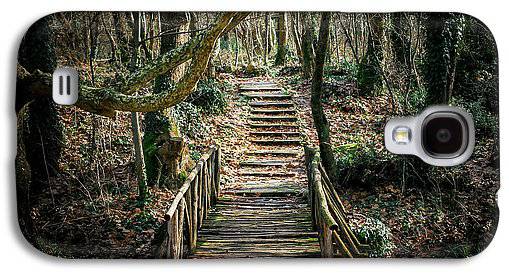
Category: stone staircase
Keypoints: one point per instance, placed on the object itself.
(266, 214)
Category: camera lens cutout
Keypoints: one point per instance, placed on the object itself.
(444, 135)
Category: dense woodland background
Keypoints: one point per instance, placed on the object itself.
(156, 89)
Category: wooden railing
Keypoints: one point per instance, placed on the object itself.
(190, 207)
(328, 213)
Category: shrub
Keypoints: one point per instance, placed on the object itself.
(377, 235)
(209, 96)
(252, 70)
(484, 121)
(415, 102)
(345, 71)
(360, 164)
(188, 119)
(289, 70)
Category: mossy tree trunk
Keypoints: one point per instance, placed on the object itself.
(308, 53)
(319, 118)
(282, 37)
(442, 39)
(119, 21)
(41, 134)
(370, 71)
(399, 39)
(161, 122)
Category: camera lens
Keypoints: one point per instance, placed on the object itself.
(444, 135)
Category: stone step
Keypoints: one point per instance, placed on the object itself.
(268, 173)
(271, 87)
(272, 125)
(273, 118)
(271, 104)
(273, 111)
(274, 133)
(268, 96)
(257, 83)
(275, 152)
(263, 163)
(276, 141)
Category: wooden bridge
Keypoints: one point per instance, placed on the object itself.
(275, 210)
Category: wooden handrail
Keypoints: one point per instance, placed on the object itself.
(179, 233)
(328, 212)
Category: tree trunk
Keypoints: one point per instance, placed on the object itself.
(266, 49)
(40, 131)
(399, 39)
(281, 40)
(370, 66)
(119, 25)
(296, 37)
(162, 123)
(139, 160)
(319, 118)
(442, 38)
(308, 54)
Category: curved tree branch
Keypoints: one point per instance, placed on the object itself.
(105, 101)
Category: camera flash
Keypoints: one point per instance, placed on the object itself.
(401, 135)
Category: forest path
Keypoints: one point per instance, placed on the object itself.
(264, 213)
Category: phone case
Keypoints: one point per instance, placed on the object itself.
(252, 134)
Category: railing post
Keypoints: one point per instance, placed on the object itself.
(205, 188)
(217, 171)
(194, 213)
(199, 183)
(173, 235)
(327, 250)
(189, 208)
(209, 182)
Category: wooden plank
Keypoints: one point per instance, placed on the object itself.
(265, 191)
(230, 241)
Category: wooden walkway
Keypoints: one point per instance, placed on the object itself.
(266, 214)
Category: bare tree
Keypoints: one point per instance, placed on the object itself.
(139, 160)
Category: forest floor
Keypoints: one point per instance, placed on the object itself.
(90, 209)
(452, 216)
(93, 212)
